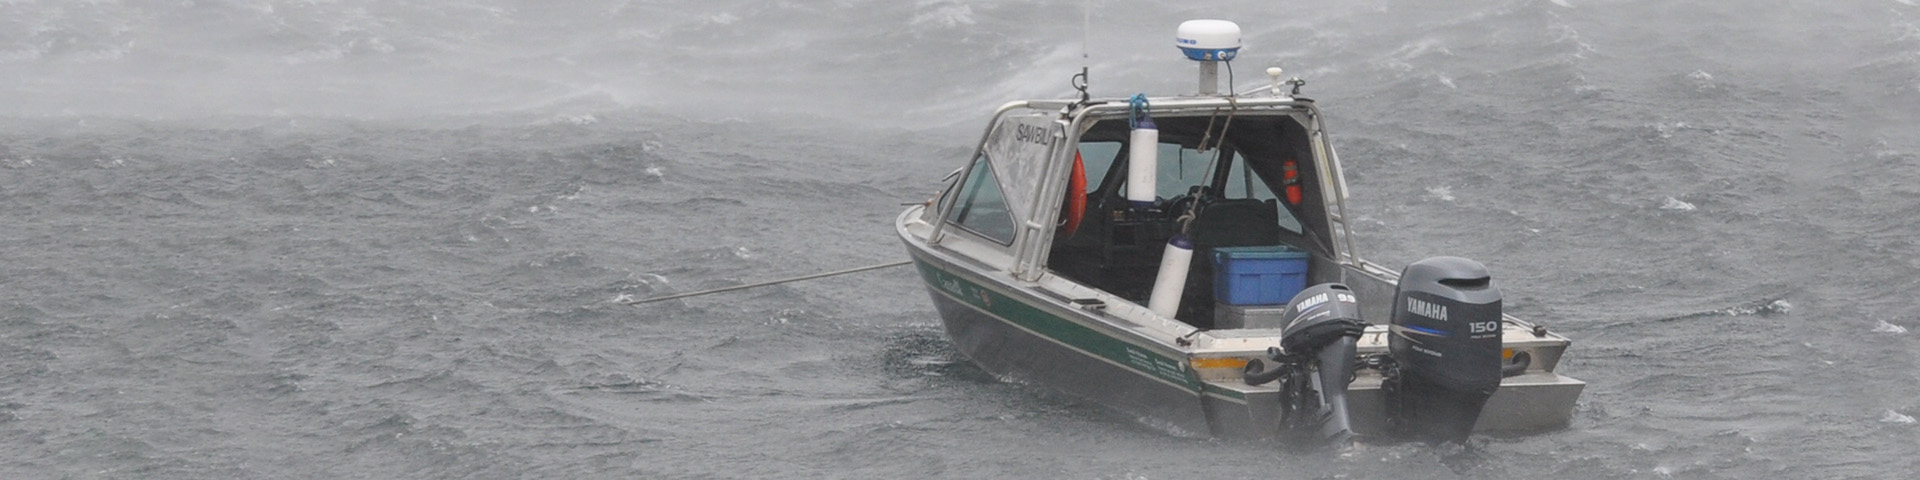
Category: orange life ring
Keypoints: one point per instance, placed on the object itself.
(1076, 201)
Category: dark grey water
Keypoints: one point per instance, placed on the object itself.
(358, 239)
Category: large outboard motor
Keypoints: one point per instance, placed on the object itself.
(1322, 325)
(1446, 342)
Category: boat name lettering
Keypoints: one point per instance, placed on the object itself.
(1424, 309)
(1031, 134)
(952, 286)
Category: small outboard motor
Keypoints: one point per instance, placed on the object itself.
(1446, 344)
(1322, 325)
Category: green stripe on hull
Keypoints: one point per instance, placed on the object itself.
(1225, 393)
(1060, 329)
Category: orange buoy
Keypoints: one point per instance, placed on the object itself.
(1076, 202)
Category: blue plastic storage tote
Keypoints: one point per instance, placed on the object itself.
(1266, 275)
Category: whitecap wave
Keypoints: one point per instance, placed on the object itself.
(1702, 80)
(1884, 327)
(1897, 418)
(1768, 308)
(576, 120)
(946, 15)
(1677, 205)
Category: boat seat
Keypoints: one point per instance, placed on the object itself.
(1240, 222)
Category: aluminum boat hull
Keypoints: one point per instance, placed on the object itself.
(1024, 335)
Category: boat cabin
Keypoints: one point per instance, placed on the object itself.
(1228, 174)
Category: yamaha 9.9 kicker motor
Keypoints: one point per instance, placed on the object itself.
(1446, 342)
(1322, 327)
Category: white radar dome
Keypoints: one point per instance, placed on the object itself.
(1208, 40)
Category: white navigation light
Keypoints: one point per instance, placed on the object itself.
(1208, 40)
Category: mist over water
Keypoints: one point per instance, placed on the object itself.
(360, 239)
(406, 59)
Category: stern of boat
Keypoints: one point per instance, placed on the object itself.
(1534, 398)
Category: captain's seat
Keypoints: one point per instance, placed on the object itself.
(1239, 222)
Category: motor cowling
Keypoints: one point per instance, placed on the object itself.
(1446, 342)
(1319, 316)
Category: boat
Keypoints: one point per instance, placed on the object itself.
(1189, 260)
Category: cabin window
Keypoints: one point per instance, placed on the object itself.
(1243, 182)
(1180, 168)
(983, 209)
(1098, 158)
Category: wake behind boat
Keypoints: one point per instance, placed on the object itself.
(1189, 260)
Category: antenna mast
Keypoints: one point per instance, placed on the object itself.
(1086, 27)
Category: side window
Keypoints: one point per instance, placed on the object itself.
(1098, 158)
(982, 208)
(1243, 182)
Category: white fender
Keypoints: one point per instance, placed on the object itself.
(1143, 164)
(1172, 281)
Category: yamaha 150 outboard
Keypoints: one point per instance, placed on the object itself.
(1322, 325)
(1446, 344)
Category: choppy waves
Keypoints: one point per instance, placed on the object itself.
(354, 239)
